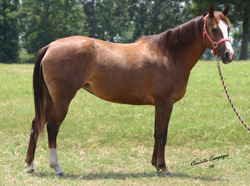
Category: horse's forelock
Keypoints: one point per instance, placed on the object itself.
(219, 16)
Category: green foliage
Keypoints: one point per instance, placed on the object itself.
(9, 31)
(25, 57)
(127, 20)
(111, 18)
(46, 21)
(28, 25)
(200, 6)
(237, 37)
(153, 17)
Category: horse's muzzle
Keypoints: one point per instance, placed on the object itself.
(227, 57)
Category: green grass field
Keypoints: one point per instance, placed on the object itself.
(103, 143)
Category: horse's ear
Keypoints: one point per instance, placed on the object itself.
(226, 10)
(211, 11)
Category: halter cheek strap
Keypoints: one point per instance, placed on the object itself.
(214, 43)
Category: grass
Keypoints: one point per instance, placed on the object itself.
(103, 143)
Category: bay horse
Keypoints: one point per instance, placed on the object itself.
(152, 71)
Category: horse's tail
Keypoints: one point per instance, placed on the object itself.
(38, 83)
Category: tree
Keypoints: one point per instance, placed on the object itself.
(93, 19)
(245, 35)
(127, 20)
(9, 31)
(240, 17)
(153, 17)
(105, 19)
(46, 21)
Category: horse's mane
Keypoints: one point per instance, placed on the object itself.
(174, 41)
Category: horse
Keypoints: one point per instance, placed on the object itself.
(152, 71)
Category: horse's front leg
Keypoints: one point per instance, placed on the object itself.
(163, 110)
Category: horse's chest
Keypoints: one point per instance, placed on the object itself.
(180, 88)
(173, 85)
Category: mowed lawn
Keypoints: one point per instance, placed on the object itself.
(103, 143)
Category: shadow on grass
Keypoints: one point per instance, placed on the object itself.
(123, 176)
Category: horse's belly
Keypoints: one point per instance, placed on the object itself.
(119, 94)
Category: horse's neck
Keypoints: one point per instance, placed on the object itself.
(194, 52)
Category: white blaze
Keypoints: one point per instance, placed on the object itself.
(224, 29)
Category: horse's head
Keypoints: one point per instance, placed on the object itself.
(216, 34)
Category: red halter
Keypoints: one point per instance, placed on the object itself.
(205, 33)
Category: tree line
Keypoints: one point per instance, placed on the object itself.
(28, 25)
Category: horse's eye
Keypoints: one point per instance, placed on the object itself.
(214, 29)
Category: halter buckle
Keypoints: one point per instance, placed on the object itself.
(215, 45)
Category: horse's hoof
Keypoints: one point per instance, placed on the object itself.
(168, 174)
(31, 171)
(60, 174)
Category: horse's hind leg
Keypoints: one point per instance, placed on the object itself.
(58, 113)
(32, 147)
(34, 133)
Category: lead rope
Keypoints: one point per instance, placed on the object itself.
(225, 88)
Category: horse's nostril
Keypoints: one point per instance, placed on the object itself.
(227, 54)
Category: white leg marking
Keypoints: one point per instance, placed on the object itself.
(224, 29)
(31, 167)
(54, 161)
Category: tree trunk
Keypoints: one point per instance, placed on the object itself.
(93, 19)
(245, 36)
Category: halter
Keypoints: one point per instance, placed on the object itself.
(214, 43)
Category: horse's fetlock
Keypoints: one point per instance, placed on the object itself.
(161, 165)
(53, 164)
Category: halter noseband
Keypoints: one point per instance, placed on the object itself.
(214, 43)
